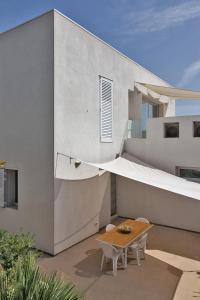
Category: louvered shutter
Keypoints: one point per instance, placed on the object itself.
(106, 106)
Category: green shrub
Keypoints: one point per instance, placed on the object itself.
(14, 246)
(27, 282)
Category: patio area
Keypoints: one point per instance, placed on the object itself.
(155, 279)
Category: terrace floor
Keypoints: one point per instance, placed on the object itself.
(154, 279)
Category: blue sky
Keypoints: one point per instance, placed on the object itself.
(161, 35)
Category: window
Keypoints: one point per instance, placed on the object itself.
(196, 129)
(189, 173)
(171, 130)
(8, 188)
(149, 110)
(106, 108)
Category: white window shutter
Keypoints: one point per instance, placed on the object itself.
(106, 107)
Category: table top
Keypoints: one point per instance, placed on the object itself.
(123, 240)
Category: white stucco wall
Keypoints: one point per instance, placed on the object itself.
(26, 126)
(170, 109)
(77, 209)
(81, 208)
(136, 199)
(162, 207)
(167, 153)
(80, 58)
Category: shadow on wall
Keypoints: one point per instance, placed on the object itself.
(158, 205)
(79, 208)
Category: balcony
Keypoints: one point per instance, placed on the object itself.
(170, 142)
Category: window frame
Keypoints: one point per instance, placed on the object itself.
(192, 179)
(194, 129)
(5, 187)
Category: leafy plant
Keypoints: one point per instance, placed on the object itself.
(14, 246)
(27, 282)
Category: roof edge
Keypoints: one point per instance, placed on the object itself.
(113, 48)
(28, 21)
(89, 32)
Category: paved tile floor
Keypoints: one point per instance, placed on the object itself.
(153, 280)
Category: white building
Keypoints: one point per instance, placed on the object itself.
(67, 95)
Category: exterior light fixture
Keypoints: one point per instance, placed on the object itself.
(77, 163)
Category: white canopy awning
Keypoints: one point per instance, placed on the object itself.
(155, 97)
(129, 167)
(170, 91)
(143, 173)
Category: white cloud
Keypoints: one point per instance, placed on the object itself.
(190, 73)
(153, 19)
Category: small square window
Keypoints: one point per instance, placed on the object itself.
(196, 129)
(171, 130)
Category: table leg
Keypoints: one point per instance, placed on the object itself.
(125, 257)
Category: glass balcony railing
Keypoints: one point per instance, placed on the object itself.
(134, 130)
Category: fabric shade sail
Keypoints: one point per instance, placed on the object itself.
(144, 173)
(171, 91)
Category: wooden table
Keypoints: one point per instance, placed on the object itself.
(123, 240)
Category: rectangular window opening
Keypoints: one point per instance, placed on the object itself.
(196, 129)
(8, 188)
(171, 130)
(191, 174)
